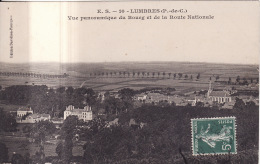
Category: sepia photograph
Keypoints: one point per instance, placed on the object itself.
(139, 82)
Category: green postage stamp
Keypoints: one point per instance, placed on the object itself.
(214, 136)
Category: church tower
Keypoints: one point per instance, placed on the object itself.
(210, 89)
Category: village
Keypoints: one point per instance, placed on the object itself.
(220, 99)
(75, 119)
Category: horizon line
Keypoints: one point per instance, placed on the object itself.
(99, 62)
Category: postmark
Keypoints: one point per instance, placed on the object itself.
(214, 136)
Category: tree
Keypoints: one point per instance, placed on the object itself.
(27, 129)
(114, 143)
(18, 159)
(169, 74)
(229, 80)
(245, 82)
(198, 76)
(180, 75)
(239, 104)
(7, 121)
(4, 153)
(143, 73)
(251, 104)
(113, 105)
(27, 159)
(59, 149)
(174, 75)
(133, 74)
(238, 79)
(126, 93)
(60, 90)
(191, 77)
(153, 74)
(68, 131)
(199, 104)
(186, 76)
(164, 74)
(40, 130)
(251, 80)
(138, 73)
(217, 77)
(69, 91)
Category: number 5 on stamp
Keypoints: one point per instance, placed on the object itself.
(214, 136)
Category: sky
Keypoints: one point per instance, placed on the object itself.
(43, 33)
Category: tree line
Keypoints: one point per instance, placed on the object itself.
(144, 75)
(169, 75)
(33, 75)
(47, 100)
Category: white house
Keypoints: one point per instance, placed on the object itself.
(33, 118)
(141, 97)
(84, 114)
(220, 96)
(23, 111)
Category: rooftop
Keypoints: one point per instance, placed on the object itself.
(35, 116)
(219, 94)
(78, 110)
(24, 109)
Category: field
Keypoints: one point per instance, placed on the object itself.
(82, 74)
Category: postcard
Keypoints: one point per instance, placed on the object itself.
(129, 82)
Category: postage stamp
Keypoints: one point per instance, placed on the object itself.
(214, 136)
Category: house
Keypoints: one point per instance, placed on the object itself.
(102, 96)
(156, 97)
(84, 114)
(32, 118)
(153, 97)
(248, 99)
(228, 105)
(141, 97)
(113, 123)
(23, 111)
(179, 101)
(194, 99)
(192, 102)
(57, 120)
(135, 125)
